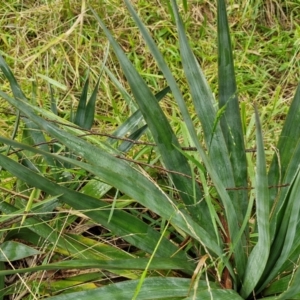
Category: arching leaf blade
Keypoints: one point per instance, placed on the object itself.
(115, 172)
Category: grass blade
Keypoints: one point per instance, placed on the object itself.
(52, 101)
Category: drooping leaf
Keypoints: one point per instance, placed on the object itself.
(123, 224)
(117, 173)
(17, 92)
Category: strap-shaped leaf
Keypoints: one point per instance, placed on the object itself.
(285, 238)
(163, 135)
(109, 264)
(154, 288)
(231, 120)
(112, 170)
(205, 220)
(259, 256)
(17, 92)
(285, 162)
(123, 224)
(218, 164)
(90, 107)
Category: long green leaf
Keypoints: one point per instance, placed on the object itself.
(161, 131)
(127, 264)
(206, 222)
(285, 162)
(154, 288)
(259, 256)
(123, 224)
(115, 172)
(279, 285)
(283, 243)
(17, 92)
(231, 120)
(219, 166)
(294, 253)
(177, 94)
(91, 105)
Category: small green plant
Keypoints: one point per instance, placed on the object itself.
(199, 244)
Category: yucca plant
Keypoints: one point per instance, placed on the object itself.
(199, 244)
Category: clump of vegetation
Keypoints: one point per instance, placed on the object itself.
(209, 223)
